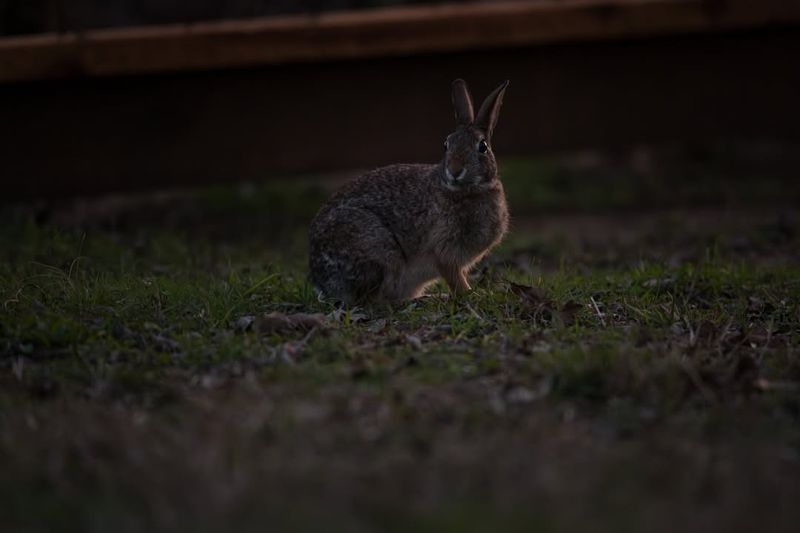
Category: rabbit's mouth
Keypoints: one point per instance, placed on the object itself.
(455, 178)
(461, 179)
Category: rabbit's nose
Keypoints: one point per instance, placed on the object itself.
(456, 174)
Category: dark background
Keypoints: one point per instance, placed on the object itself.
(75, 131)
(38, 16)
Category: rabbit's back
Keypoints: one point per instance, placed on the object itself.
(398, 195)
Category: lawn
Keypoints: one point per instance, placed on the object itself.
(627, 361)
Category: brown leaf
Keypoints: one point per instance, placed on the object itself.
(414, 341)
(275, 322)
(531, 295)
(376, 326)
(569, 311)
(536, 300)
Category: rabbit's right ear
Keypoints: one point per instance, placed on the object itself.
(490, 110)
(462, 103)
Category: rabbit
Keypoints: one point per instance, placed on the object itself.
(390, 233)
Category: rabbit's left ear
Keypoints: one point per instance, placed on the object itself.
(490, 110)
(462, 103)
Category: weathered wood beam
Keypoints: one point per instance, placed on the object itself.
(374, 33)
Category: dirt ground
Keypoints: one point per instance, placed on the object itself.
(617, 368)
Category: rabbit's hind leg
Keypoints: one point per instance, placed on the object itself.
(405, 280)
(350, 255)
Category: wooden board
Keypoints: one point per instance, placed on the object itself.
(367, 34)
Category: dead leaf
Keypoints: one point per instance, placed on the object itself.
(536, 300)
(275, 322)
(531, 295)
(358, 317)
(376, 326)
(569, 311)
(244, 323)
(289, 352)
(656, 283)
(414, 341)
(520, 394)
(352, 316)
(165, 344)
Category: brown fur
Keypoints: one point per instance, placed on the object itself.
(393, 231)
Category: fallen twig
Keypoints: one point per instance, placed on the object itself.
(597, 310)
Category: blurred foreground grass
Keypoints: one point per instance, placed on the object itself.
(634, 365)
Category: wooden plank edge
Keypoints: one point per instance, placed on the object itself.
(372, 33)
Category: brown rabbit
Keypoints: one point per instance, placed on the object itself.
(393, 231)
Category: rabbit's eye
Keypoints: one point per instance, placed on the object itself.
(445, 145)
(483, 146)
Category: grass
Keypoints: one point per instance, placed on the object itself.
(612, 371)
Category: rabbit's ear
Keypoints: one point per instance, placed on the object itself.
(462, 103)
(490, 110)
